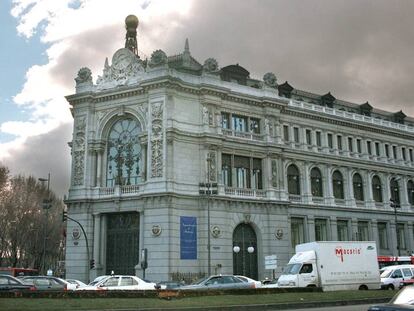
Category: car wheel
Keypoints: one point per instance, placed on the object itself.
(363, 287)
(390, 287)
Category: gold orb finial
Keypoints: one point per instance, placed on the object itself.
(131, 22)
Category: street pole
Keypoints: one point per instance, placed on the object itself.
(45, 206)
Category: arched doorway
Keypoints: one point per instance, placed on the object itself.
(245, 251)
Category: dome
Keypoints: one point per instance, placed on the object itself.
(131, 21)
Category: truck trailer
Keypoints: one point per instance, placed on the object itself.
(333, 265)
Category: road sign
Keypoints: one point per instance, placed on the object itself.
(270, 262)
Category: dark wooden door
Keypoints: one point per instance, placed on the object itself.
(122, 243)
(245, 262)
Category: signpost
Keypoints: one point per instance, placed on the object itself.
(271, 263)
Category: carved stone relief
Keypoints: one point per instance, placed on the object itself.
(157, 139)
(212, 169)
(207, 116)
(78, 150)
(274, 173)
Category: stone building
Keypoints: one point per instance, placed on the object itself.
(210, 170)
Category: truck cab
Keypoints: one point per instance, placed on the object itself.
(301, 271)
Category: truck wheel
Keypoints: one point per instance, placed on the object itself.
(390, 287)
(363, 287)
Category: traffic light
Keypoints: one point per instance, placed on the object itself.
(64, 216)
(92, 263)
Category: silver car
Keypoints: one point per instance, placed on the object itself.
(219, 282)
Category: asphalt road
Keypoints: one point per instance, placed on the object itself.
(343, 308)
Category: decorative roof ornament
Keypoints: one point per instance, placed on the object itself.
(270, 79)
(210, 65)
(158, 58)
(84, 80)
(126, 69)
(131, 25)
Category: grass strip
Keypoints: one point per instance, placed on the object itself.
(46, 304)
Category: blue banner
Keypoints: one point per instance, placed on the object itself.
(188, 237)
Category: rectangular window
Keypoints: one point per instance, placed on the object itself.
(394, 152)
(339, 141)
(242, 171)
(330, 141)
(342, 229)
(350, 144)
(257, 174)
(387, 150)
(239, 123)
(225, 120)
(401, 236)
(254, 125)
(226, 169)
(297, 231)
(318, 139)
(308, 137)
(382, 235)
(286, 133)
(359, 149)
(363, 233)
(411, 155)
(403, 153)
(369, 150)
(321, 232)
(296, 134)
(377, 149)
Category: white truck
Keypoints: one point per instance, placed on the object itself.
(333, 265)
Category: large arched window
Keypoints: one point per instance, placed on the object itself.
(338, 185)
(395, 190)
(376, 189)
(293, 179)
(410, 192)
(316, 182)
(358, 187)
(123, 153)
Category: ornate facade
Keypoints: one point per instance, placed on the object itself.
(287, 166)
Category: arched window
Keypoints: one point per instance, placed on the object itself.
(376, 189)
(316, 182)
(123, 153)
(395, 191)
(293, 179)
(358, 187)
(410, 192)
(338, 185)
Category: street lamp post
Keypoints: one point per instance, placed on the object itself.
(46, 204)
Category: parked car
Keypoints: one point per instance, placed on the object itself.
(9, 283)
(98, 279)
(407, 282)
(121, 282)
(270, 284)
(169, 285)
(403, 300)
(254, 283)
(77, 283)
(50, 283)
(392, 276)
(218, 282)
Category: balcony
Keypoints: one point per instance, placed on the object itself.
(118, 191)
(244, 192)
(243, 135)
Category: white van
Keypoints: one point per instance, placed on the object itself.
(392, 276)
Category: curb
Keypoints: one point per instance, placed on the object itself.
(262, 307)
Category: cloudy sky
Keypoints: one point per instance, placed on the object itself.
(359, 50)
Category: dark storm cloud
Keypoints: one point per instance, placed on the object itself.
(359, 50)
(43, 154)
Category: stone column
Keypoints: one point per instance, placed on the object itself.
(98, 168)
(311, 228)
(102, 250)
(410, 244)
(313, 138)
(324, 139)
(307, 194)
(374, 232)
(327, 184)
(402, 185)
(393, 237)
(368, 195)
(385, 184)
(334, 228)
(335, 143)
(349, 188)
(278, 130)
(354, 229)
(97, 246)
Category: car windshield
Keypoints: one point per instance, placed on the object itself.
(292, 268)
(386, 273)
(199, 281)
(404, 297)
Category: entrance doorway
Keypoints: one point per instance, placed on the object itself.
(122, 243)
(245, 251)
